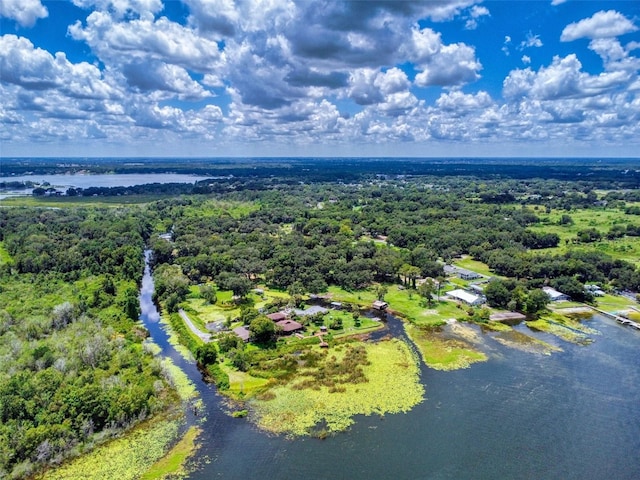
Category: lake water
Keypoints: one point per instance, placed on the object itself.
(63, 182)
(571, 415)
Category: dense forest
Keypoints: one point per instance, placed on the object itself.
(73, 371)
(351, 235)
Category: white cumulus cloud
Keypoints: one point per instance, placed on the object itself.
(601, 25)
(25, 12)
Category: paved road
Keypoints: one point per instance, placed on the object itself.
(205, 337)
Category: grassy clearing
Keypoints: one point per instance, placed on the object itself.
(173, 463)
(625, 248)
(443, 354)
(388, 383)
(474, 266)
(403, 302)
(218, 208)
(364, 298)
(241, 384)
(613, 303)
(202, 312)
(124, 458)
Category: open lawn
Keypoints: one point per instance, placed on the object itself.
(403, 302)
(202, 312)
(613, 303)
(473, 265)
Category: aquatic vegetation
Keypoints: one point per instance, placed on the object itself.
(443, 354)
(366, 379)
(173, 463)
(124, 458)
(178, 379)
(561, 331)
(174, 339)
(520, 341)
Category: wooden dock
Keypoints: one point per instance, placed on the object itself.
(619, 319)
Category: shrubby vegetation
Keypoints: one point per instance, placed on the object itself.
(72, 366)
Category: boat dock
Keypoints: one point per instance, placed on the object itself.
(619, 319)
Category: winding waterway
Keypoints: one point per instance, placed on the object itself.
(571, 415)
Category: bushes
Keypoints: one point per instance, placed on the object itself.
(220, 378)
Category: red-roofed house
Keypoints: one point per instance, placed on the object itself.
(289, 326)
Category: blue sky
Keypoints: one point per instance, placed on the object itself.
(319, 78)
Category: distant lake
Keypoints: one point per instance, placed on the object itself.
(63, 182)
(104, 180)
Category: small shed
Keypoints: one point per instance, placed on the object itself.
(380, 305)
(336, 305)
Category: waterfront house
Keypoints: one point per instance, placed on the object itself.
(466, 297)
(554, 295)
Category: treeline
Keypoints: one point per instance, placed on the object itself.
(73, 370)
(615, 173)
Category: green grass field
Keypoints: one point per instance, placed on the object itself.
(613, 303)
(202, 312)
(406, 304)
(625, 248)
(474, 265)
(218, 208)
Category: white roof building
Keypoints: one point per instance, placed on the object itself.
(466, 297)
(554, 295)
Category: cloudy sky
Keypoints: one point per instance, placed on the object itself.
(319, 78)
